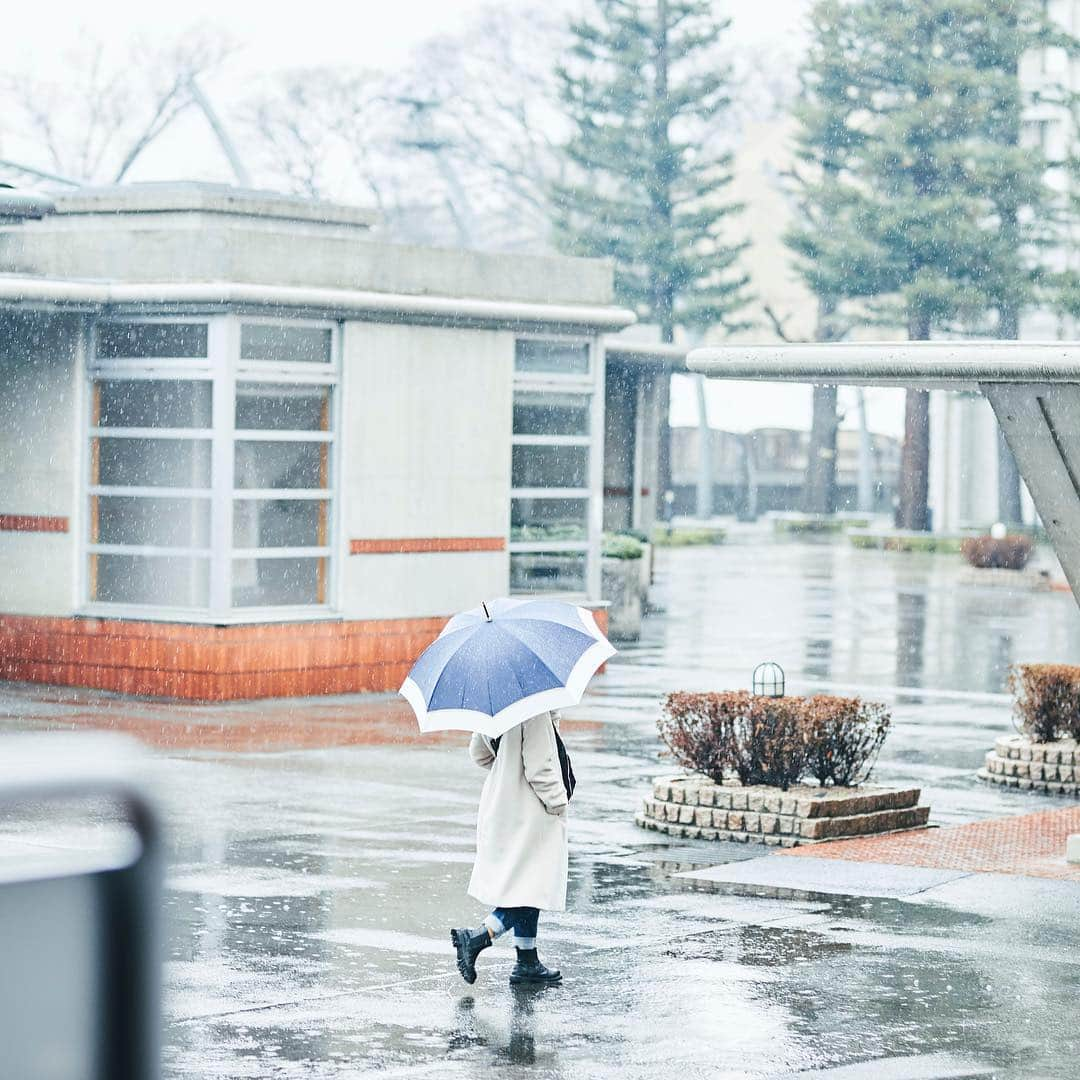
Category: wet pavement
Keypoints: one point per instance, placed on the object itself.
(320, 851)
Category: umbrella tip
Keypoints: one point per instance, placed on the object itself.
(487, 614)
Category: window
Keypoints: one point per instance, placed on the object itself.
(211, 468)
(554, 541)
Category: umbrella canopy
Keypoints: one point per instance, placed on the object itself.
(502, 663)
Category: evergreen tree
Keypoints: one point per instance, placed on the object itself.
(923, 193)
(825, 145)
(646, 97)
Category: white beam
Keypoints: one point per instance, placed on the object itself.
(948, 365)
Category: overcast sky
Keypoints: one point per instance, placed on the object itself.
(372, 33)
(366, 33)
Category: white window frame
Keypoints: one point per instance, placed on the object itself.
(223, 368)
(592, 385)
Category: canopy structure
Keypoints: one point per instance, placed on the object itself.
(1033, 388)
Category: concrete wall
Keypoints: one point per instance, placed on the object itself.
(426, 454)
(963, 462)
(620, 403)
(39, 428)
(196, 246)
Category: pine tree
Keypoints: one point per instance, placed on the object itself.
(646, 98)
(826, 143)
(924, 195)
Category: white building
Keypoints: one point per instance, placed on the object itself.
(248, 450)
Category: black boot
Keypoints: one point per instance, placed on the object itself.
(469, 945)
(528, 971)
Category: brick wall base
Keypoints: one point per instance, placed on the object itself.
(1052, 768)
(693, 808)
(215, 663)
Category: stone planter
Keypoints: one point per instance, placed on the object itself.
(646, 569)
(694, 808)
(621, 587)
(1050, 767)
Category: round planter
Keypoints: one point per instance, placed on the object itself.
(1052, 768)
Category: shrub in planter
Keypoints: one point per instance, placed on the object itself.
(1047, 700)
(622, 546)
(774, 741)
(1004, 553)
(758, 739)
(843, 738)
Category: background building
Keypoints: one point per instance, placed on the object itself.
(763, 470)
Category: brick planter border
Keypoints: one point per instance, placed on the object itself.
(1052, 768)
(694, 808)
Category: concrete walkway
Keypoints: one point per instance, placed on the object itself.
(319, 851)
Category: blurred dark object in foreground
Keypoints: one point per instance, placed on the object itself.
(80, 897)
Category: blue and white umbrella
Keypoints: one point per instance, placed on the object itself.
(502, 663)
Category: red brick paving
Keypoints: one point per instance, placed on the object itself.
(1031, 845)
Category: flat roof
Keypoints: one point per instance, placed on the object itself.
(167, 197)
(951, 365)
(24, 292)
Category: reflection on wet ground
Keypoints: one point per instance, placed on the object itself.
(320, 851)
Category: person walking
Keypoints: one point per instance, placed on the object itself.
(521, 847)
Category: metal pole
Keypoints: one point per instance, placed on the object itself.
(866, 458)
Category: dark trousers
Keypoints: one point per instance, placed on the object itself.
(523, 921)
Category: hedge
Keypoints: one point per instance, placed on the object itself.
(1047, 700)
(774, 741)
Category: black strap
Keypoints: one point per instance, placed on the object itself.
(568, 778)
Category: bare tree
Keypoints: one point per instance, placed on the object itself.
(94, 125)
(459, 146)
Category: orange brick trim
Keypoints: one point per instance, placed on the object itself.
(427, 544)
(210, 663)
(32, 523)
(216, 663)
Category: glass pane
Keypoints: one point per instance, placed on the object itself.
(555, 357)
(167, 580)
(173, 403)
(550, 466)
(551, 414)
(281, 464)
(549, 519)
(153, 462)
(281, 407)
(264, 523)
(285, 344)
(278, 582)
(547, 571)
(153, 522)
(151, 340)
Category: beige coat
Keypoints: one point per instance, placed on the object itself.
(521, 851)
